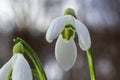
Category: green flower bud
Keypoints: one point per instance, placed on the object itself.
(18, 48)
(70, 11)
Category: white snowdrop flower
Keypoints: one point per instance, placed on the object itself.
(17, 68)
(65, 28)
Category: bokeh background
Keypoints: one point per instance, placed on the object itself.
(30, 19)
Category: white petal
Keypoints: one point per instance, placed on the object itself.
(4, 71)
(83, 35)
(57, 26)
(70, 20)
(21, 69)
(65, 53)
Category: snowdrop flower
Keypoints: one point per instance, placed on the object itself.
(17, 67)
(65, 28)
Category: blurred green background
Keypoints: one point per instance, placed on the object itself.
(30, 19)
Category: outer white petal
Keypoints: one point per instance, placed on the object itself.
(21, 69)
(83, 35)
(65, 53)
(4, 71)
(70, 20)
(57, 26)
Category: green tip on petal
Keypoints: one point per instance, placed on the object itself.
(18, 48)
(68, 32)
(70, 11)
(10, 75)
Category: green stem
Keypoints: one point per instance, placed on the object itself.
(35, 74)
(32, 55)
(91, 64)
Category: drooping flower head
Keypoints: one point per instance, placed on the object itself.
(17, 68)
(65, 28)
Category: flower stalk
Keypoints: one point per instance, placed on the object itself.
(69, 11)
(65, 28)
(32, 55)
(91, 64)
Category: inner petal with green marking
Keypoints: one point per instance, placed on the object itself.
(68, 32)
(10, 75)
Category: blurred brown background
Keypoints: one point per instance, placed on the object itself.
(30, 19)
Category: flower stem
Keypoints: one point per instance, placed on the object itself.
(32, 55)
(35, 73)
(91, 64)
